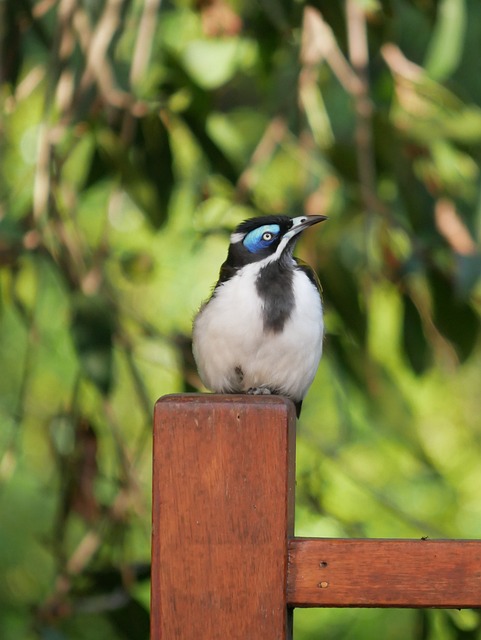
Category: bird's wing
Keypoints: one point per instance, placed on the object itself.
(310, 273)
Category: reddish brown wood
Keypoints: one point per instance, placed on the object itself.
(223, 505)
(384, 573)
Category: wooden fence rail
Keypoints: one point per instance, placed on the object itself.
(225, 562)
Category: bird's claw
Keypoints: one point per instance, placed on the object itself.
(259, 391)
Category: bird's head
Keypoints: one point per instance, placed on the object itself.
(267, 238)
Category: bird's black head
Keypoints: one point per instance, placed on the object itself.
(259, 238)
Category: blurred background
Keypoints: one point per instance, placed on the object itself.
(135, 134)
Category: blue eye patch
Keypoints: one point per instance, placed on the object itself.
(261, 238)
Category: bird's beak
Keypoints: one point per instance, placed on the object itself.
(301, 223)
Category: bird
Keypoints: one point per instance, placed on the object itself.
(261, 332)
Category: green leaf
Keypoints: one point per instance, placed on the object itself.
(446, 46)
(211, 63)
(415, 345)
(137, 266)
(153, 155)
(349, 358)
(93, 327)
(145, 169)
(454, 317)
(342, 292)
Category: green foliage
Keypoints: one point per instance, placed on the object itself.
(134, 136)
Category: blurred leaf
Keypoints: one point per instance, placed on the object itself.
(80, 495)
(446, 46)
(132, 621)
(113, 578)
(342, 292)
(50, 633)
(454, 318)
(424, 625)
(465, 624)
(137, 266)
(197, 123)
(62, 435)
(145, 170)
(416, 201)
(11, 52)
(196, 116)
(153, 157)
(425, 110)
(10, 241)
(93, 327)
(211, 63)
(348, 357)
(468, 272)
(448, 170)
(414, 342)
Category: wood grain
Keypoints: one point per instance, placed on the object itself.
(384, 573)
(223, 505)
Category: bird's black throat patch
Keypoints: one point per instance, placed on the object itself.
(274, 286)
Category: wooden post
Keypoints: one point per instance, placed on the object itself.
(384, 573)
(225, 563)
(223, 509)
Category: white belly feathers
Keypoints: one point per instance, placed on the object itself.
(233, 351)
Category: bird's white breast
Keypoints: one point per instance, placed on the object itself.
(234, 352)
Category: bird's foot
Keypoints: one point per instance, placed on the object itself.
(258, 391)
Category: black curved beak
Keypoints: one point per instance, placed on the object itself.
(301, 223)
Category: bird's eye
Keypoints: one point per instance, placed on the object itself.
(262, 238)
